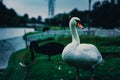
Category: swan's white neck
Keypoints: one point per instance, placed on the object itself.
(74, 33)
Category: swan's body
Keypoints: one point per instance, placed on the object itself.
(50, 48)
(85, 56)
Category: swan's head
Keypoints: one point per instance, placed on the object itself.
(75, 21)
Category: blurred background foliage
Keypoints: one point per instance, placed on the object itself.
(104, 14)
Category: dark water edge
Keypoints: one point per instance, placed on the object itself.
(9, 46)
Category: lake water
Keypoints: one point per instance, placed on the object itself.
(11, 40)
(7, 33)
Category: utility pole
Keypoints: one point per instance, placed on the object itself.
(89, 20)
(51, 8)
(25, 38)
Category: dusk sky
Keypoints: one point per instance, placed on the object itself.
(35, 8)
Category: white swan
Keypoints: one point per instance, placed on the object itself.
(85, 56)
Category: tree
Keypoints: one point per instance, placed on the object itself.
(97, 5)
(39, 19)
(33, 20)
(24, 19)
(104, 14)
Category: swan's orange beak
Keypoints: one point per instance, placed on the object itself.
(80, 25)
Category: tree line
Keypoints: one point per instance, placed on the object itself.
(105, 14)
(8, 18)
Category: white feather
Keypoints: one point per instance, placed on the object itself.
(21, 64)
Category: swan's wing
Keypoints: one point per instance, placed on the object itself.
(87, 49)
(88, 52)
(68, 51)
(84, 54)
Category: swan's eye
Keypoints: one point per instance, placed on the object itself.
(79, 24)
(78, 21)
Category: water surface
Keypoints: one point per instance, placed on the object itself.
(11, 40)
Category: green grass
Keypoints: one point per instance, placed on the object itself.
(57, 69)
(32, 33)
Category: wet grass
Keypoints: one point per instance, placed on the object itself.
(56, 69)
